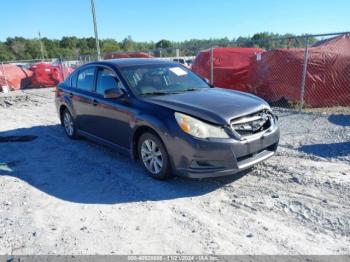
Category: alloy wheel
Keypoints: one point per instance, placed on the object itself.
(68, 124)
(152, 156)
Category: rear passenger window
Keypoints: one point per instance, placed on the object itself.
(73, 80)
(86, 79)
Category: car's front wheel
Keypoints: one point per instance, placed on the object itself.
(69, 124)
(154, 156)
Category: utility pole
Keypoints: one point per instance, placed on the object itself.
(41, 47)
(95, 29)
(212, 66)
(303, 77)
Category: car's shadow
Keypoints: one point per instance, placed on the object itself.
(341, 120)
(327, 150)
(84, 172)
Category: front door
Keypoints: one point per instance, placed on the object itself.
(112, 116)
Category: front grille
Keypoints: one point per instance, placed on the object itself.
(253, 123)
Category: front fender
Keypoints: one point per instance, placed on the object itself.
(161, 125)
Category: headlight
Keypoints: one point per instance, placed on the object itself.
(197, 128)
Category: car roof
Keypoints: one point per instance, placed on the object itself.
(126, 62)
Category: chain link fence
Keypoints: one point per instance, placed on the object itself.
(22, 74)
(299, 73)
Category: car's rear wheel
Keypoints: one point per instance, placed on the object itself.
(154, 156)
(69, 124)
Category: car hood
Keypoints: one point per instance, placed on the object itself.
(216, 105)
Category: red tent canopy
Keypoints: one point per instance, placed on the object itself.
(231, 66)
(278, 74)
(15, 77)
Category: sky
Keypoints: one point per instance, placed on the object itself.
(177, 20)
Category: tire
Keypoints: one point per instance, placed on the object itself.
(153, 156)
(69, 124)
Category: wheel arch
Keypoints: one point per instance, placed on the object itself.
(61, 110)
(66, 105)
(139, 131)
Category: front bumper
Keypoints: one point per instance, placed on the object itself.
(197, 158)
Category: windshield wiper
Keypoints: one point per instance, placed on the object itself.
(157, 93)
(188, 90)
(191, 89)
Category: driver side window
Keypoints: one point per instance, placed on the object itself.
(86, 79)
(106, 79)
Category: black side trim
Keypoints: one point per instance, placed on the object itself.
(102, 141)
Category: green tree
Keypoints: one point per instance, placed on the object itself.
(5, 53)
(91, 42)
(71, 47)
(69, 42)
(109, 45)
(164, 44)
(34, 49)
(18, 47)
(128, 44)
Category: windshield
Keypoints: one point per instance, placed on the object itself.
(161, 79)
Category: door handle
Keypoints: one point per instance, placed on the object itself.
(94, 102)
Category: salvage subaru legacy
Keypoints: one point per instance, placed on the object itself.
(168, 117)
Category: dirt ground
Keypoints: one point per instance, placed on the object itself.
(59, 196)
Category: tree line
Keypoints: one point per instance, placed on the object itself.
(71, 47)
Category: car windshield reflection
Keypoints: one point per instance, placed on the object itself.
(162, 79)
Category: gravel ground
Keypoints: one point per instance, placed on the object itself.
(59, 196)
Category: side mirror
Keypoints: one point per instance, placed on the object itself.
(113, 93)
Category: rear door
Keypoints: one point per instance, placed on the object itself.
(82, 97)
